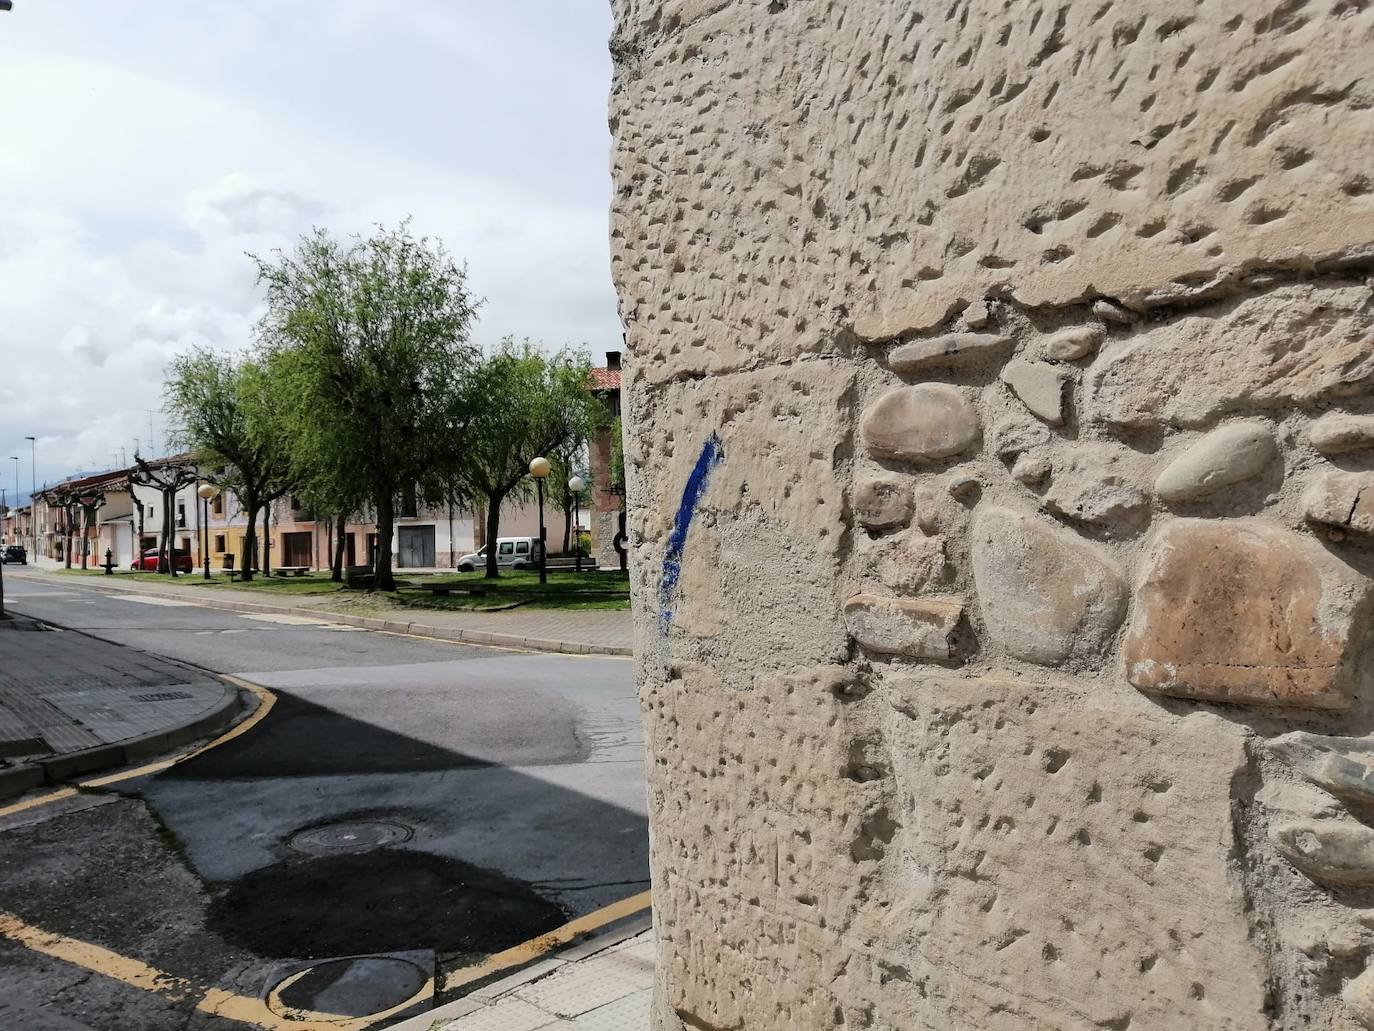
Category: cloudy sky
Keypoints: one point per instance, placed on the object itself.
(145, 146)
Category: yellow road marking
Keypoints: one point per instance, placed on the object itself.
(266, 699)
(215, 1001)
(518, 955)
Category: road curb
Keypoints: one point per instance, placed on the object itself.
(502, 984)
(62, 768)
(437, 633)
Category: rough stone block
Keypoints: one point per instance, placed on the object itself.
(1336, 433)
(1223, 457)
(1245, 611)
(883, 502)
(927, 422)
(920, 354)
(922, 628)
(1341, 499)
(1046, 594)
(1040, 386)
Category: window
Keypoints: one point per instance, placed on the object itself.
(295, 504)
(217, 506)
(522, 547)
(219, 542)
(409, 506)
(181, 515)
(504, 548)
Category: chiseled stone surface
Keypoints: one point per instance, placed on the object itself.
(1338, 432)
(882, 502)
(1047, 595)
(1342, 500)
(922, 423)
(1245, 611)
(1227, 455)
(847, 838)
(1293, 344)
(919, 627)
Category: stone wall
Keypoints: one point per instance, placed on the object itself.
(1000, 384)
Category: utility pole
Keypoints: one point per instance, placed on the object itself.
(33, 489)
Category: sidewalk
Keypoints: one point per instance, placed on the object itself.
(606, 989)
(71, 704)
(577, 632)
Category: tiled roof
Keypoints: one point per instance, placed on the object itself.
(605, 379)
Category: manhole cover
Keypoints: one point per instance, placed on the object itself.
(348, 837)
(357, 986)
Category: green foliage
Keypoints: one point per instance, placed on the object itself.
(525, 404)
(228, 411)
(371, 336)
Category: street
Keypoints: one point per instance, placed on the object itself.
(400, 796)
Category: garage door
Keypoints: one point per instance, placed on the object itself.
(416, 546)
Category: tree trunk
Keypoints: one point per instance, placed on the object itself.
(67, 533)
(386, 526)
(493, 533)
(165, 546)
(267, 540)
(85, 535)
(567, 528)
(250, 543)
(340, 540)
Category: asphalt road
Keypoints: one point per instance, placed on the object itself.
(401, 795)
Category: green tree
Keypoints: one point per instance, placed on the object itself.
(371, 334)
(526, 404)
(227, 409)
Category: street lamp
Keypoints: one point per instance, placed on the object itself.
(577, 485)
(539, 468)
(207, 492)
(33, 489)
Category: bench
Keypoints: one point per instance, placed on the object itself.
(290, 570)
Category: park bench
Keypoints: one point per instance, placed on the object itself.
(290, 570)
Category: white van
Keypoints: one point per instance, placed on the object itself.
(511, 552)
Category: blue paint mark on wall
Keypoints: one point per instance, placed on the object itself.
(711, 456)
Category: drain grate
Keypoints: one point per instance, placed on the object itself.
(163, 696)
(349, 837)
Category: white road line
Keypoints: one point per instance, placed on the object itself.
(143, 599)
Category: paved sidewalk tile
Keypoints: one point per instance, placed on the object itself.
(64, 692)
(607, 991)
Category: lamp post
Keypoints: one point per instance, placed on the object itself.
(33, 489)
(206, 492)
(539, 468)
(577, 485)
(15, 510)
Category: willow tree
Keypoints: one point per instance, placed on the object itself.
(526, 405)
(228, 412)
(371, 334)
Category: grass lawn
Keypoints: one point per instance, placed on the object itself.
(565, 590)
(313, 583)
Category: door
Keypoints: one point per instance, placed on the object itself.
(350, 551)
(416, 546)
(296, 548)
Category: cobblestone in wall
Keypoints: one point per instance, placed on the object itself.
(1000, 385)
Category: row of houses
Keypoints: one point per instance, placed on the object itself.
(124, 519)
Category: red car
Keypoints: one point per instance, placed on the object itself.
(181, 561)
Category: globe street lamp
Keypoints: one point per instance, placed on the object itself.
(540, 468)
(577, 485)
(207, 492)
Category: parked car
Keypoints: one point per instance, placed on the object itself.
(181, 561)
(14, 553)
(511, 552)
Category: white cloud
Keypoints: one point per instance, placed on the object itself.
(145, 154)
